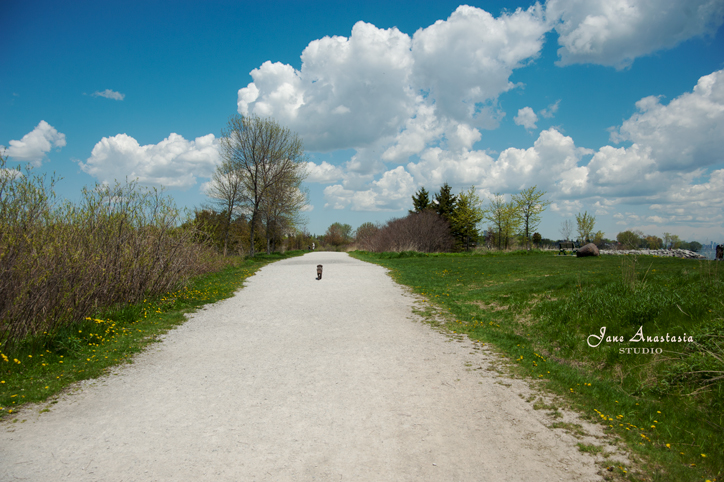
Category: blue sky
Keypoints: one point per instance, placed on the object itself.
(615, 107)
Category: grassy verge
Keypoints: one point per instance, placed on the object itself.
(38, 369)
(540, 311)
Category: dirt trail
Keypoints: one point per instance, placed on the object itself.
(298, 379)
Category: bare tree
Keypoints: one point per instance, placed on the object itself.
(265, 155)
(425, 232)
(566, 229)
(227, 191)
(365, 234)
(281, 209)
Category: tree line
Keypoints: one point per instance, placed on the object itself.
(517, 218)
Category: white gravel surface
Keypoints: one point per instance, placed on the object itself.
(298, 379)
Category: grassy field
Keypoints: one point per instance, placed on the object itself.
(40, 368)
(663, 398)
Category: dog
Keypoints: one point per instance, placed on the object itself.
(319, 271)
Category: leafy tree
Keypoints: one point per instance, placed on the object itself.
(466, 217)
(653, 242)
(505, 218)
(420, 201)
(629, 239)
(694, 246)
(671, 241)
(585, 223)
(530, 205)
(266, 156)
(599, 238)
(496, 215)
(338, 234)
(512, 221)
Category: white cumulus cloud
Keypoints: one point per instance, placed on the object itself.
(324, 172)
(526, 118)
(391, 192)
(384, 91)
(687, 133)
(173, 162)
(36, 143)
(615, 32)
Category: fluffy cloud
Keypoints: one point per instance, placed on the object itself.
(350, 92)
(526, 118)
(109, 94)
(615, 32)
(381, 88)
(687, 133)
(173, 162)
(551, 164)
(390, 193)
(465, 62)
(33, 146)
(323, 173)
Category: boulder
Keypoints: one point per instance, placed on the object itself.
(588, 250)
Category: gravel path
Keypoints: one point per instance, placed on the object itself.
(298, 379)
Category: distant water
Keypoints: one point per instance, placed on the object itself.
(710, 253)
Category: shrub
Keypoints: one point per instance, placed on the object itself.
(365, 235)
(425, 232)
(61, 262)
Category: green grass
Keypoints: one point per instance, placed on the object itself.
(539, 309)
(42, 367)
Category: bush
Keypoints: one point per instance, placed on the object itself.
(61, 262)
(425, 232)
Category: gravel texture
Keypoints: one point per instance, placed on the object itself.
(299, 379)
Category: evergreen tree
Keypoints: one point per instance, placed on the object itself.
(445, 202)
(420, 201)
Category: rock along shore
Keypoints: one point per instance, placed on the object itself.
(670, 253)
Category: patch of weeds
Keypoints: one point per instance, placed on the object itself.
(574, 429)
(589, 449)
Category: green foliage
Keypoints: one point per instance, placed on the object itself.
(446, 202)
(671, 241)
(653, 242)
(584, 225)
(530, 205)
(338, 234)
(465, 218)
(630, 239)
(420, 201)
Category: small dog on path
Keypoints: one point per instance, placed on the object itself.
(319, 271)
